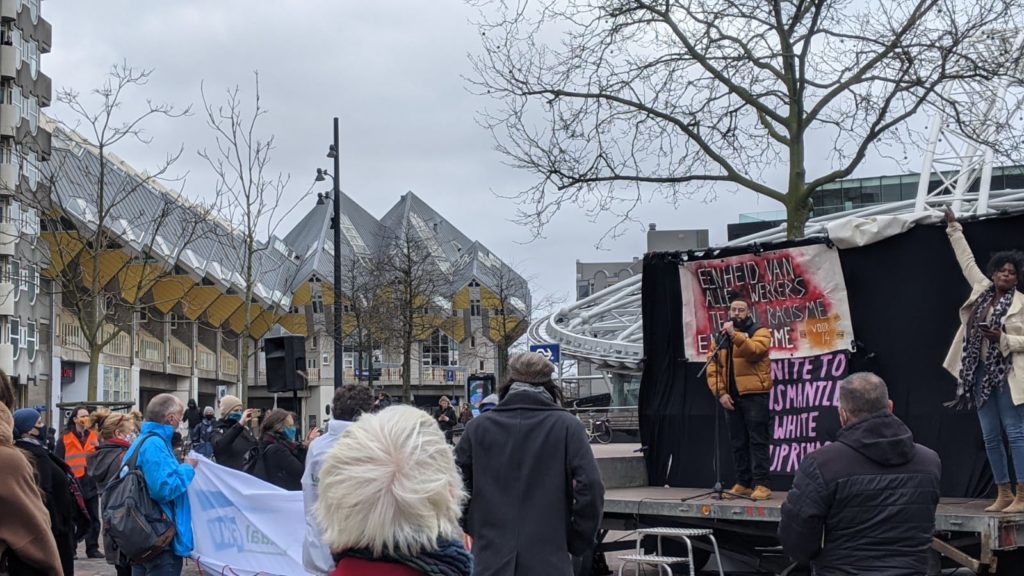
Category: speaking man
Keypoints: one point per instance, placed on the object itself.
(864, 504)
(739, 375)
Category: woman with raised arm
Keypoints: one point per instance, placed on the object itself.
(987, 357)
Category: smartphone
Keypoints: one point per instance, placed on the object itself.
(256, 412)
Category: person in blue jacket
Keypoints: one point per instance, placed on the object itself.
(167, 481)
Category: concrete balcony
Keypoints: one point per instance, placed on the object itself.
(9, 179)
(6, 299)
(7, 358)
(44, 35)
(8, 238)
(8, 62)
(9, 9)
(9, 120)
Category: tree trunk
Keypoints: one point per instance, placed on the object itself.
(407, 370)
(500, 363)
(797, 213)
(243, 373)
(92, 391)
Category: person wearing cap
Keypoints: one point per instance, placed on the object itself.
(52, 480)
(446, 417)
(231, 437)
(535, 493)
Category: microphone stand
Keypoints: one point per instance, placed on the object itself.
(718, 491)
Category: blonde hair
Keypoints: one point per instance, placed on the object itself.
(99, 416)
(390, 484)
(114, 423)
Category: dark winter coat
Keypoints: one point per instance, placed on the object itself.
(452, 420)
(106, 462)
(864, 504)
(282, 463)
(52, 474)
(231, 441)
(193, 416)
(535, 491)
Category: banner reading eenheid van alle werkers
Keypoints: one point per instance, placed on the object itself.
(798, 293)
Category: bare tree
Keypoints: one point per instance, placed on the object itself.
(506, 300)
(417, 292)
(252, 193)
(364, 290)
(607, 101)
(113, 232)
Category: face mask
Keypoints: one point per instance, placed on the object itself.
(83, 421)
(235, 416)
(289, 433)
(130, 437)
(40, 431)
(210, 416)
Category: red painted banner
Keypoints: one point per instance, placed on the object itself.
(798, 293)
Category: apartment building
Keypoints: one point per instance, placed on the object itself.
(25, 301)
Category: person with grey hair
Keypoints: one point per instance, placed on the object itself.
(864, 504)
(535, 493)
(391, 498)
(167, 481)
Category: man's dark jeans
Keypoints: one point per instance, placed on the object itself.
(749, 429)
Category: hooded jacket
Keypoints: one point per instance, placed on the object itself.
(167, 480)
(316, 556)
(535, 493)
(750, 361)
(864, 504)
(231, 441)
(30, 537)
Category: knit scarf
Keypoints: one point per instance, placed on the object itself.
(996, 365)
(450, 559)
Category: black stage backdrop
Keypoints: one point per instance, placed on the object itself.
(904, 292)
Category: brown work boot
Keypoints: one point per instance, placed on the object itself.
(1003, 499)
(737, 490)
(1017, 506)
(761, 493)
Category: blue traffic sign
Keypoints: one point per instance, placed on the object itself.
(449, 376)
(552, 351)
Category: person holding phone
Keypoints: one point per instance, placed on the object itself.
(231, 437)
(987, 358)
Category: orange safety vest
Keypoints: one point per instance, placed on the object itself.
(75, 454)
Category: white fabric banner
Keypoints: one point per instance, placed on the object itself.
(243, 525)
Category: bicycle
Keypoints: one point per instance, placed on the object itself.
(598, 428)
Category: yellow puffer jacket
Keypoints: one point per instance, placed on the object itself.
(751, 361)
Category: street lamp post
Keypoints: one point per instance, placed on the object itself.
(339, 347)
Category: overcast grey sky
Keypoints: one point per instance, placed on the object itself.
(390, 69)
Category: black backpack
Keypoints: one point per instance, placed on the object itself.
(252, 460)
(134, 522)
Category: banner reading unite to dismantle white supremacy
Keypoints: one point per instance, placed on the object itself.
(244, 526)
(800, 295)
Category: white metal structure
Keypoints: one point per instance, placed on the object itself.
(606, 328)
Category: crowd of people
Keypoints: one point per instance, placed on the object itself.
(386, 493)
